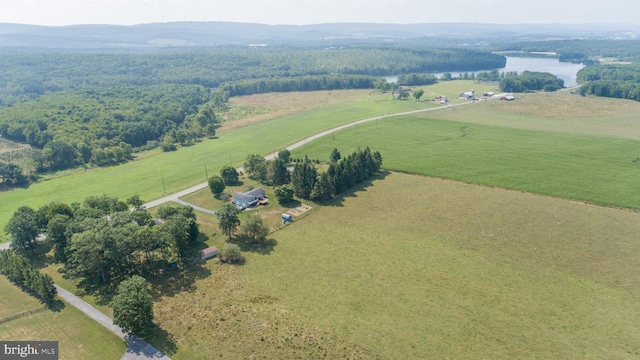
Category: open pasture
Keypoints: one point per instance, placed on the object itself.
(597, 169)
(79, 336)
(561, 112)
(417, 267)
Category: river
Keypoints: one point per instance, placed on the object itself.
(564, 70)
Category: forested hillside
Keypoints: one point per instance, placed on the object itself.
(29, 74)
(611, 80)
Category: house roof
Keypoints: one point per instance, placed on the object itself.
(258, 192)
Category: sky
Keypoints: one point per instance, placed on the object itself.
(301, 12)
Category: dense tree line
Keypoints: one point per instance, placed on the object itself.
(102, 126)
(416, 79)
(611, 80)
(20, 271)
(101, 242)
(530, 81)
(302, 83)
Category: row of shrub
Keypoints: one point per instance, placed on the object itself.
(20, 271)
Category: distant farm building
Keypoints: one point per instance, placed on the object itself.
(443, 99)
(208, 253)
(488, 94)
(287, 218)
(508, 98)
(250, 198)
(467, 95)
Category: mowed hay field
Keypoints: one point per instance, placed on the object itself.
(79, 337)
(416, 267)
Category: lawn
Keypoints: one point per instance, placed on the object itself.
(597, 169)
(79, 336)
(155, 174)
(14, 301)
(416, 267)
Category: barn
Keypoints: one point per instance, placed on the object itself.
(209, 252)
(250, 198)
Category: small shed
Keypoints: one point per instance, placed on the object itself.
(508, 98)
(209, 252)
(287, 217)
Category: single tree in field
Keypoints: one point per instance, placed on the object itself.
(417, 94)
(23, 228)
(256, 166)
(254, 228)
(216, 185)
(229, 174)
(133, 307)
(228, 220)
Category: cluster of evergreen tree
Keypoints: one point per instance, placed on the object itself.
(611, 80)
(530, 81)
(20, 271)
(101, 242)
(342, 174)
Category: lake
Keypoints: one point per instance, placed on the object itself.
(564, 70)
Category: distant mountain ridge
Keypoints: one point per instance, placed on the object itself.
(228, 33)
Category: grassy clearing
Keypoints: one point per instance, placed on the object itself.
(79, 336)
(452, 270)
(588, 168)
(15, 301)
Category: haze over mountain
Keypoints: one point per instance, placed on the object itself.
(230, 33)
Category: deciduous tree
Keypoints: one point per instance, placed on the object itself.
(254, 228)
(228, 220)
(133, 307)
(216, 185)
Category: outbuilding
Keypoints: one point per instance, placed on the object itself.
(508, 98)
(287, 217)
(208, 253)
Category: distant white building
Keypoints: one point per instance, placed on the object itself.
(467, 95)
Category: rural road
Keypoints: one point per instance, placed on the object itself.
(137, 349)
(175, 196)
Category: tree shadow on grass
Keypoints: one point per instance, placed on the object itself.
(246, 243)
(162, 340)
(337, 201)
(56, 305)
(174, 282)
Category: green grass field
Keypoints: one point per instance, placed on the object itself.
(79, 336)
(158, 173)
(598, 169)
(451, 270)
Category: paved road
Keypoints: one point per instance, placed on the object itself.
(136, 347)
